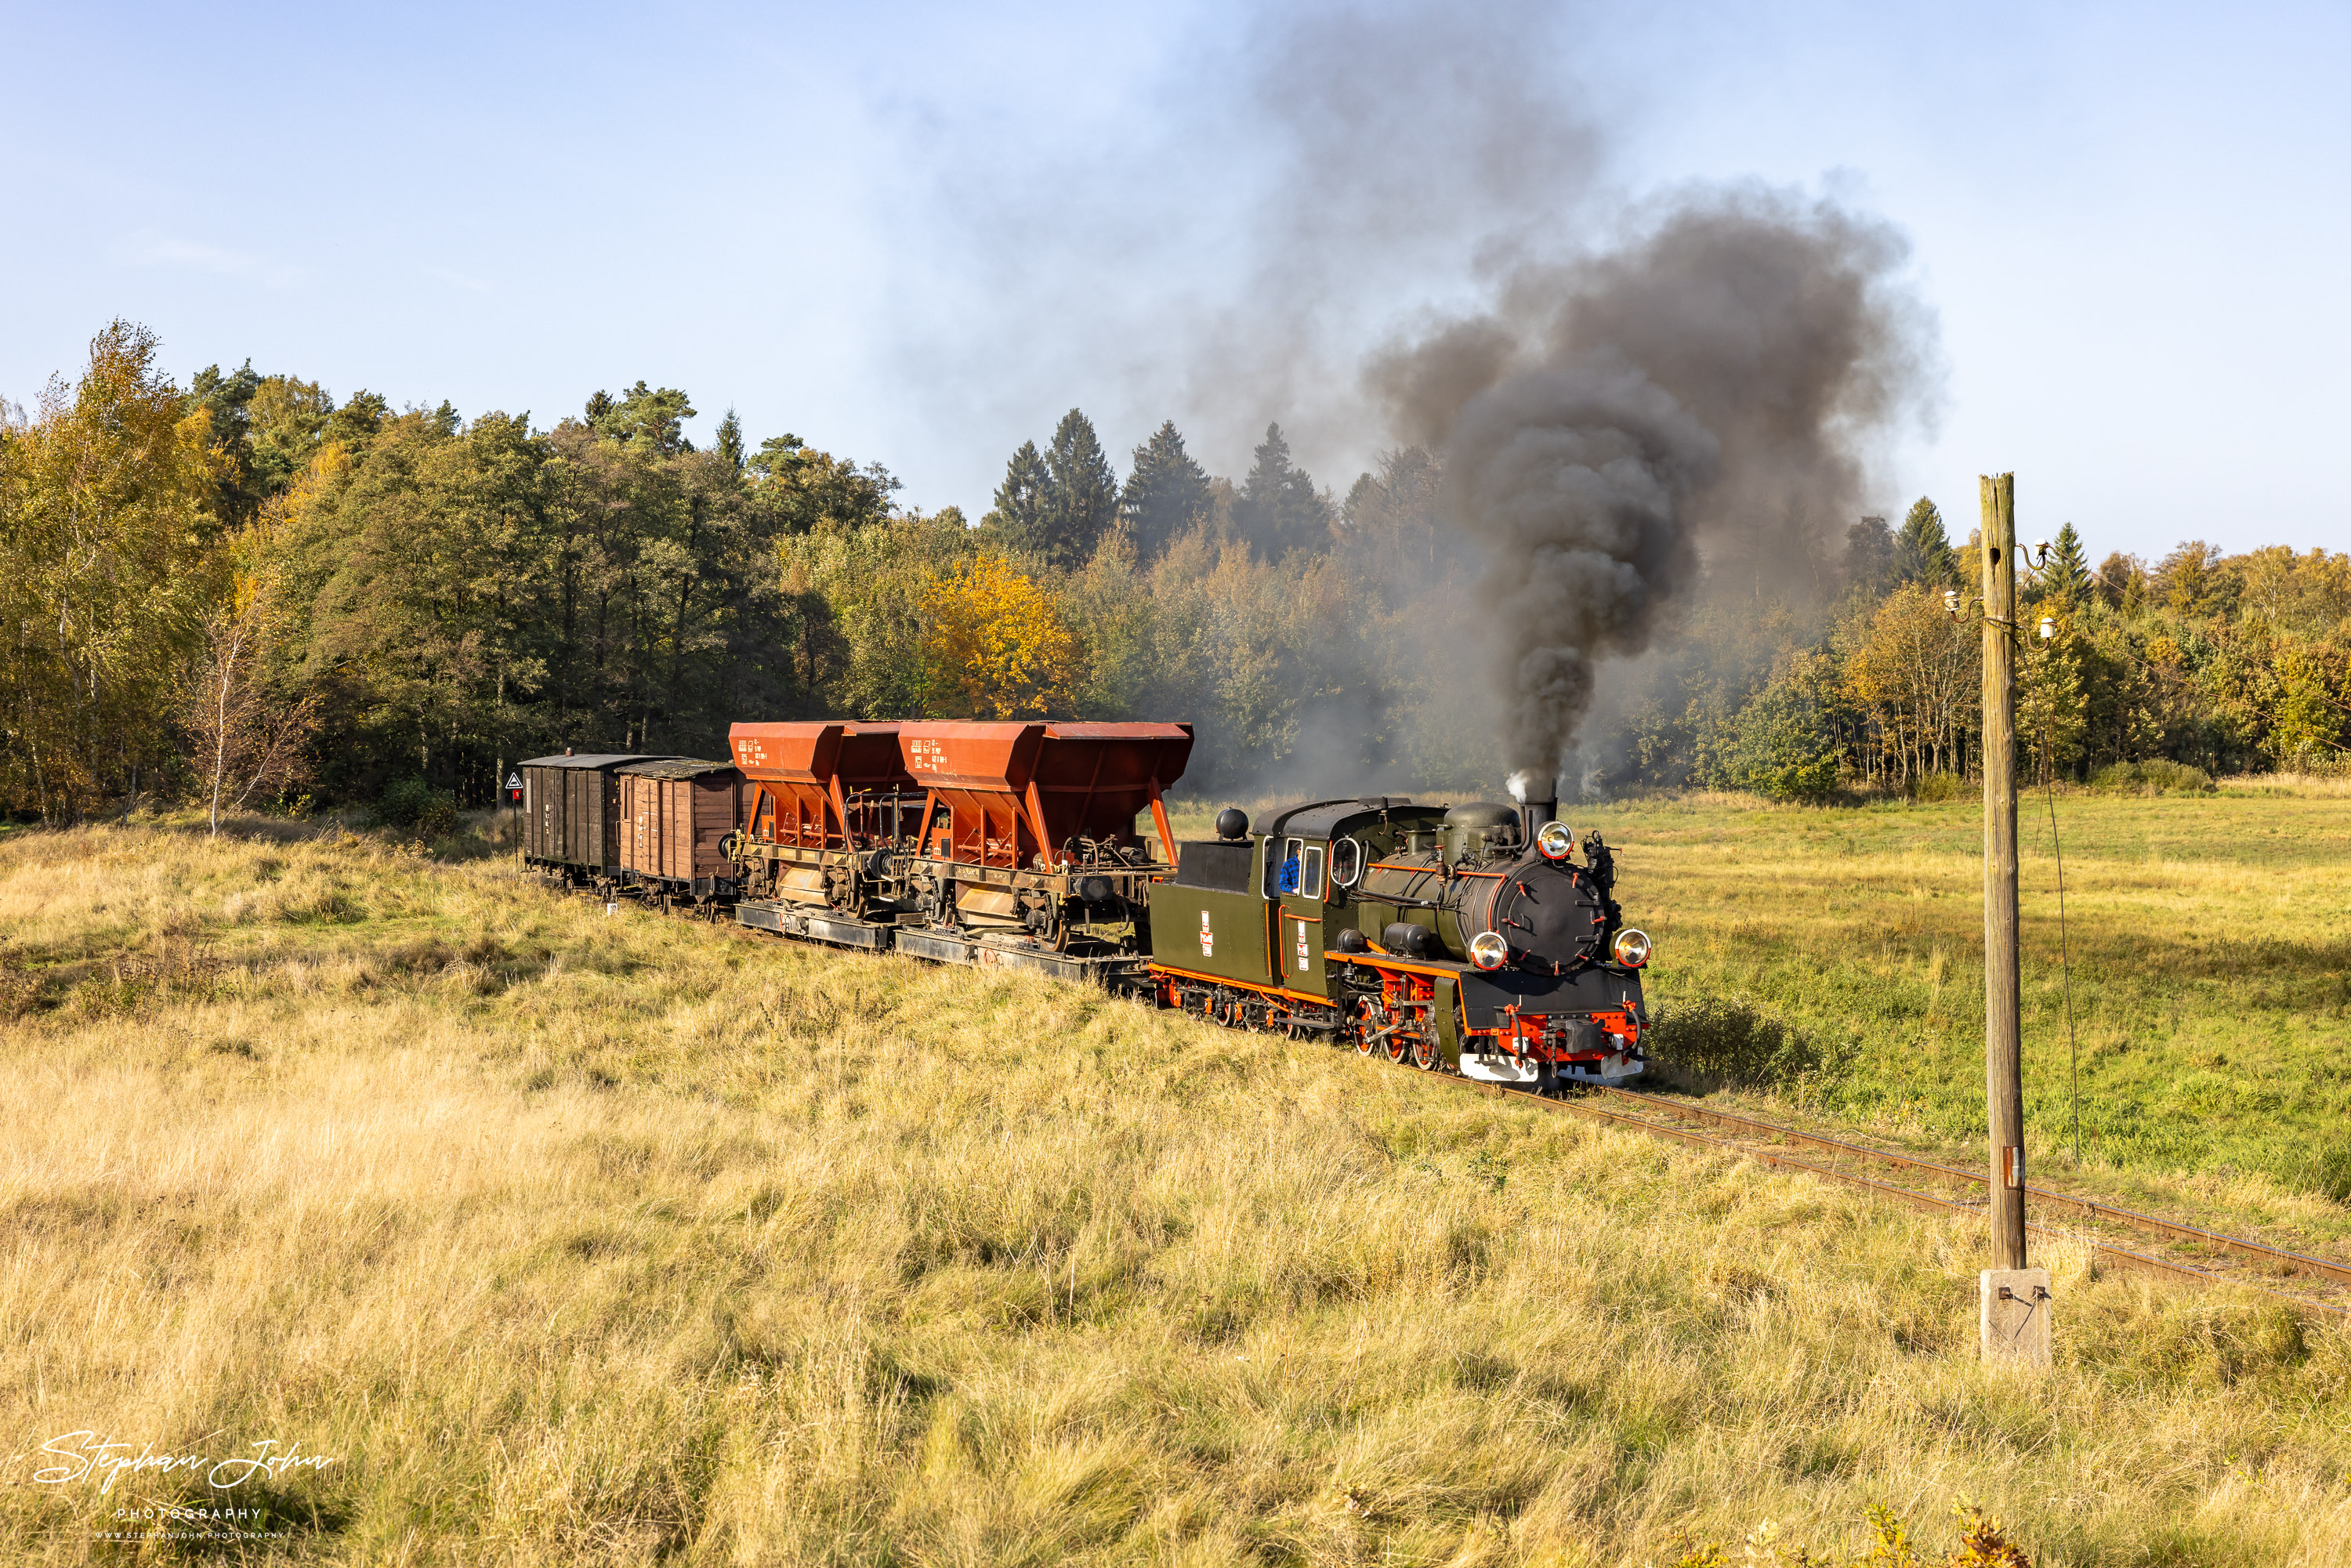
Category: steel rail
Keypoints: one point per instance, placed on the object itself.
(2124, 1257)
(2091, 1207)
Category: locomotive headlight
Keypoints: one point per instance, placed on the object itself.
(1632, 949)
(1489, 951)
(1556, 841)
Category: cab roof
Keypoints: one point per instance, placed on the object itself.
(1324, 819)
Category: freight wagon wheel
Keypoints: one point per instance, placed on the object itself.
(1425, 1055)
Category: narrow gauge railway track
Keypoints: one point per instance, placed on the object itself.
(1751, 1144)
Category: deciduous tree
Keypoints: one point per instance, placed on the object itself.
(108, 530)
(248, 726)
(996, 647)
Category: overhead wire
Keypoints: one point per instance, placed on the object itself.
(2064, 960)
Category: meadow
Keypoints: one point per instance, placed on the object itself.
(1828, 962)
(2209, 947)
(576, 1237)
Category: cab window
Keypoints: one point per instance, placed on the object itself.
(1309, 874)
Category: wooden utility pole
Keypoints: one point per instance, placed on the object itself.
(2003, 1032)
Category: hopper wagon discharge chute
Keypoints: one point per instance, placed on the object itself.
(828, 815)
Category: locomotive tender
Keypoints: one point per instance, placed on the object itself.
(1466, 937)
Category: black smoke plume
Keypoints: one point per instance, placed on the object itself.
(1708, 395)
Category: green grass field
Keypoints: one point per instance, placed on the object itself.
(583, 1239)
(2211, 946)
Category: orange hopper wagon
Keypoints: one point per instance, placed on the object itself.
(1028, 846)
(824, 804)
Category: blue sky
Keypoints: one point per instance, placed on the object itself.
(917, 233)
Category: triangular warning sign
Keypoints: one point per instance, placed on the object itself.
(514, 780)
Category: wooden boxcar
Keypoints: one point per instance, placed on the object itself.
(676, 818)
(571, 814)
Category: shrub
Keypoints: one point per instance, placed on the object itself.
(1732, 1041)
(413, 803)
(1781, 744)
(1939, 787)
(2159, 776)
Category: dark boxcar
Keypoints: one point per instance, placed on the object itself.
(571, 814)
(676, 818)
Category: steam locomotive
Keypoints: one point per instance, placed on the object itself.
(1464, 937)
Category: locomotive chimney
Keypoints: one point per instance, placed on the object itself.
(1538, 801)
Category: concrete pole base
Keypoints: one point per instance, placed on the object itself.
(2014, 1314)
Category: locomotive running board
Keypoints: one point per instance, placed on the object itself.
(785, 920)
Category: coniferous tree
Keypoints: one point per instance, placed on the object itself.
(227, 402)
(359, 421)
(654, 415)
(730, 441)
(1869, 554)
(2068, 571)
(1166, 494)
(1020, 514)
(1279, 509)
(1922, 551)
(1082, 495)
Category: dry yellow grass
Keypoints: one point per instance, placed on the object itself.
(583, 1239)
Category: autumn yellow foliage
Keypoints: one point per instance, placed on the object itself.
(996, 645)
